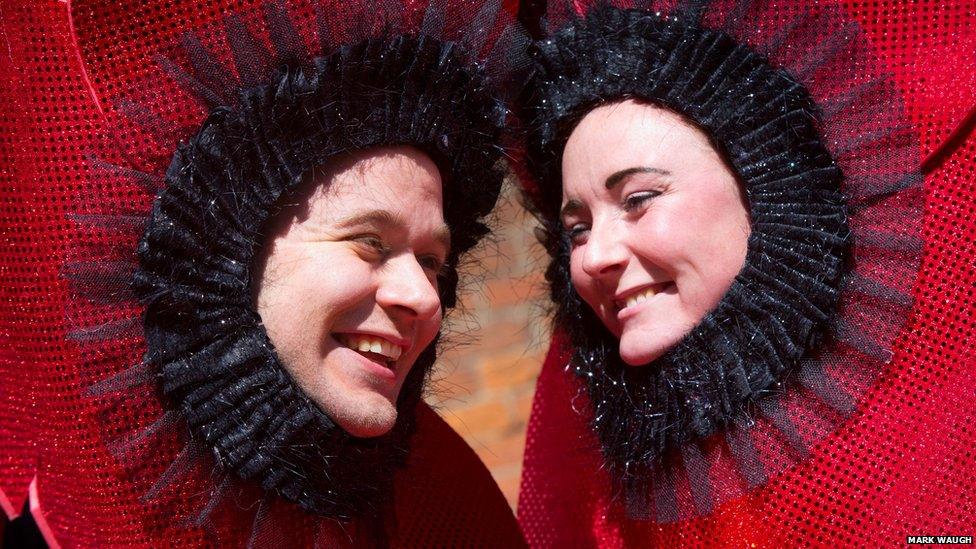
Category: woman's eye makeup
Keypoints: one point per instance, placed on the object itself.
(577, 233)
(637, 199)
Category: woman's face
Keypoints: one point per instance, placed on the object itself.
(348, 293)
(658, 222)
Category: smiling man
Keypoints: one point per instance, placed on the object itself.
(349, 293)
(276, 197)
(297, 335)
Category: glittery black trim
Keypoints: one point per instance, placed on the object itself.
(780, 305)
(215, 361)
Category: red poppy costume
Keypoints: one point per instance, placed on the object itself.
(891, 457)
(96, 101)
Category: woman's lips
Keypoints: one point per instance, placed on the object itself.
(628, 305)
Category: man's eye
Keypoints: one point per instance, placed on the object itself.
(374, 243)
(431, 263)
(636, 200)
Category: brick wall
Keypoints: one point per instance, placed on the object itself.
(484, 381)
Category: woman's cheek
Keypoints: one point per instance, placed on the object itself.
(657, 238)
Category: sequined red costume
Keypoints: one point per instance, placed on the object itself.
(64, 66)
(902, 463)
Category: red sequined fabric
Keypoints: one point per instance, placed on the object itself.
(902, 464)
(63, 65)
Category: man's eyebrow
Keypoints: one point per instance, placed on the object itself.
(617, 177)
(381, 218)
(387, 219)
(443, 235)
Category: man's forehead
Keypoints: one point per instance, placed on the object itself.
(390, 186)
(382, 161)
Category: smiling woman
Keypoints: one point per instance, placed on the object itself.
(657, 221)
(348, 292)
(718, 207)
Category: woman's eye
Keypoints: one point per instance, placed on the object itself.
(577, 233)
(636, 200)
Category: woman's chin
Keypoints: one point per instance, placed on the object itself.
(638, 351)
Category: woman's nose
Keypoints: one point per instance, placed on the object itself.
(605, 254)
(407, 287)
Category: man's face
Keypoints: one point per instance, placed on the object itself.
(348, 293)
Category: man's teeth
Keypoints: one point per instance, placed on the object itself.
(372, 345)
(641, 297)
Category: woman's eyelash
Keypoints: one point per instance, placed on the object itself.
(575, 233)
(635, 200)
(576, 229)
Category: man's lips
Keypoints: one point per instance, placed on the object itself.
(378, 350)
(374, 344)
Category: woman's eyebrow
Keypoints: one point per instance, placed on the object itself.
(385, 219)
(617, 177)
(572, 206)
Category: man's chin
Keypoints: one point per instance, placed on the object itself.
(368, 420)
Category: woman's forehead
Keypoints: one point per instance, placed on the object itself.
(631, 136)
(631, 127)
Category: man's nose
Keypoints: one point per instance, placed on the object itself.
(407, 287)
(605, 253)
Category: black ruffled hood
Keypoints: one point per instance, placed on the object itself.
(216, 363)
(782, 305)
(208, 427)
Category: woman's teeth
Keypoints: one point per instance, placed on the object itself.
(369, 344)
(639, 297)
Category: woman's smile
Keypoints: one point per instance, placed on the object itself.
(633, 301)
(657, 222)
